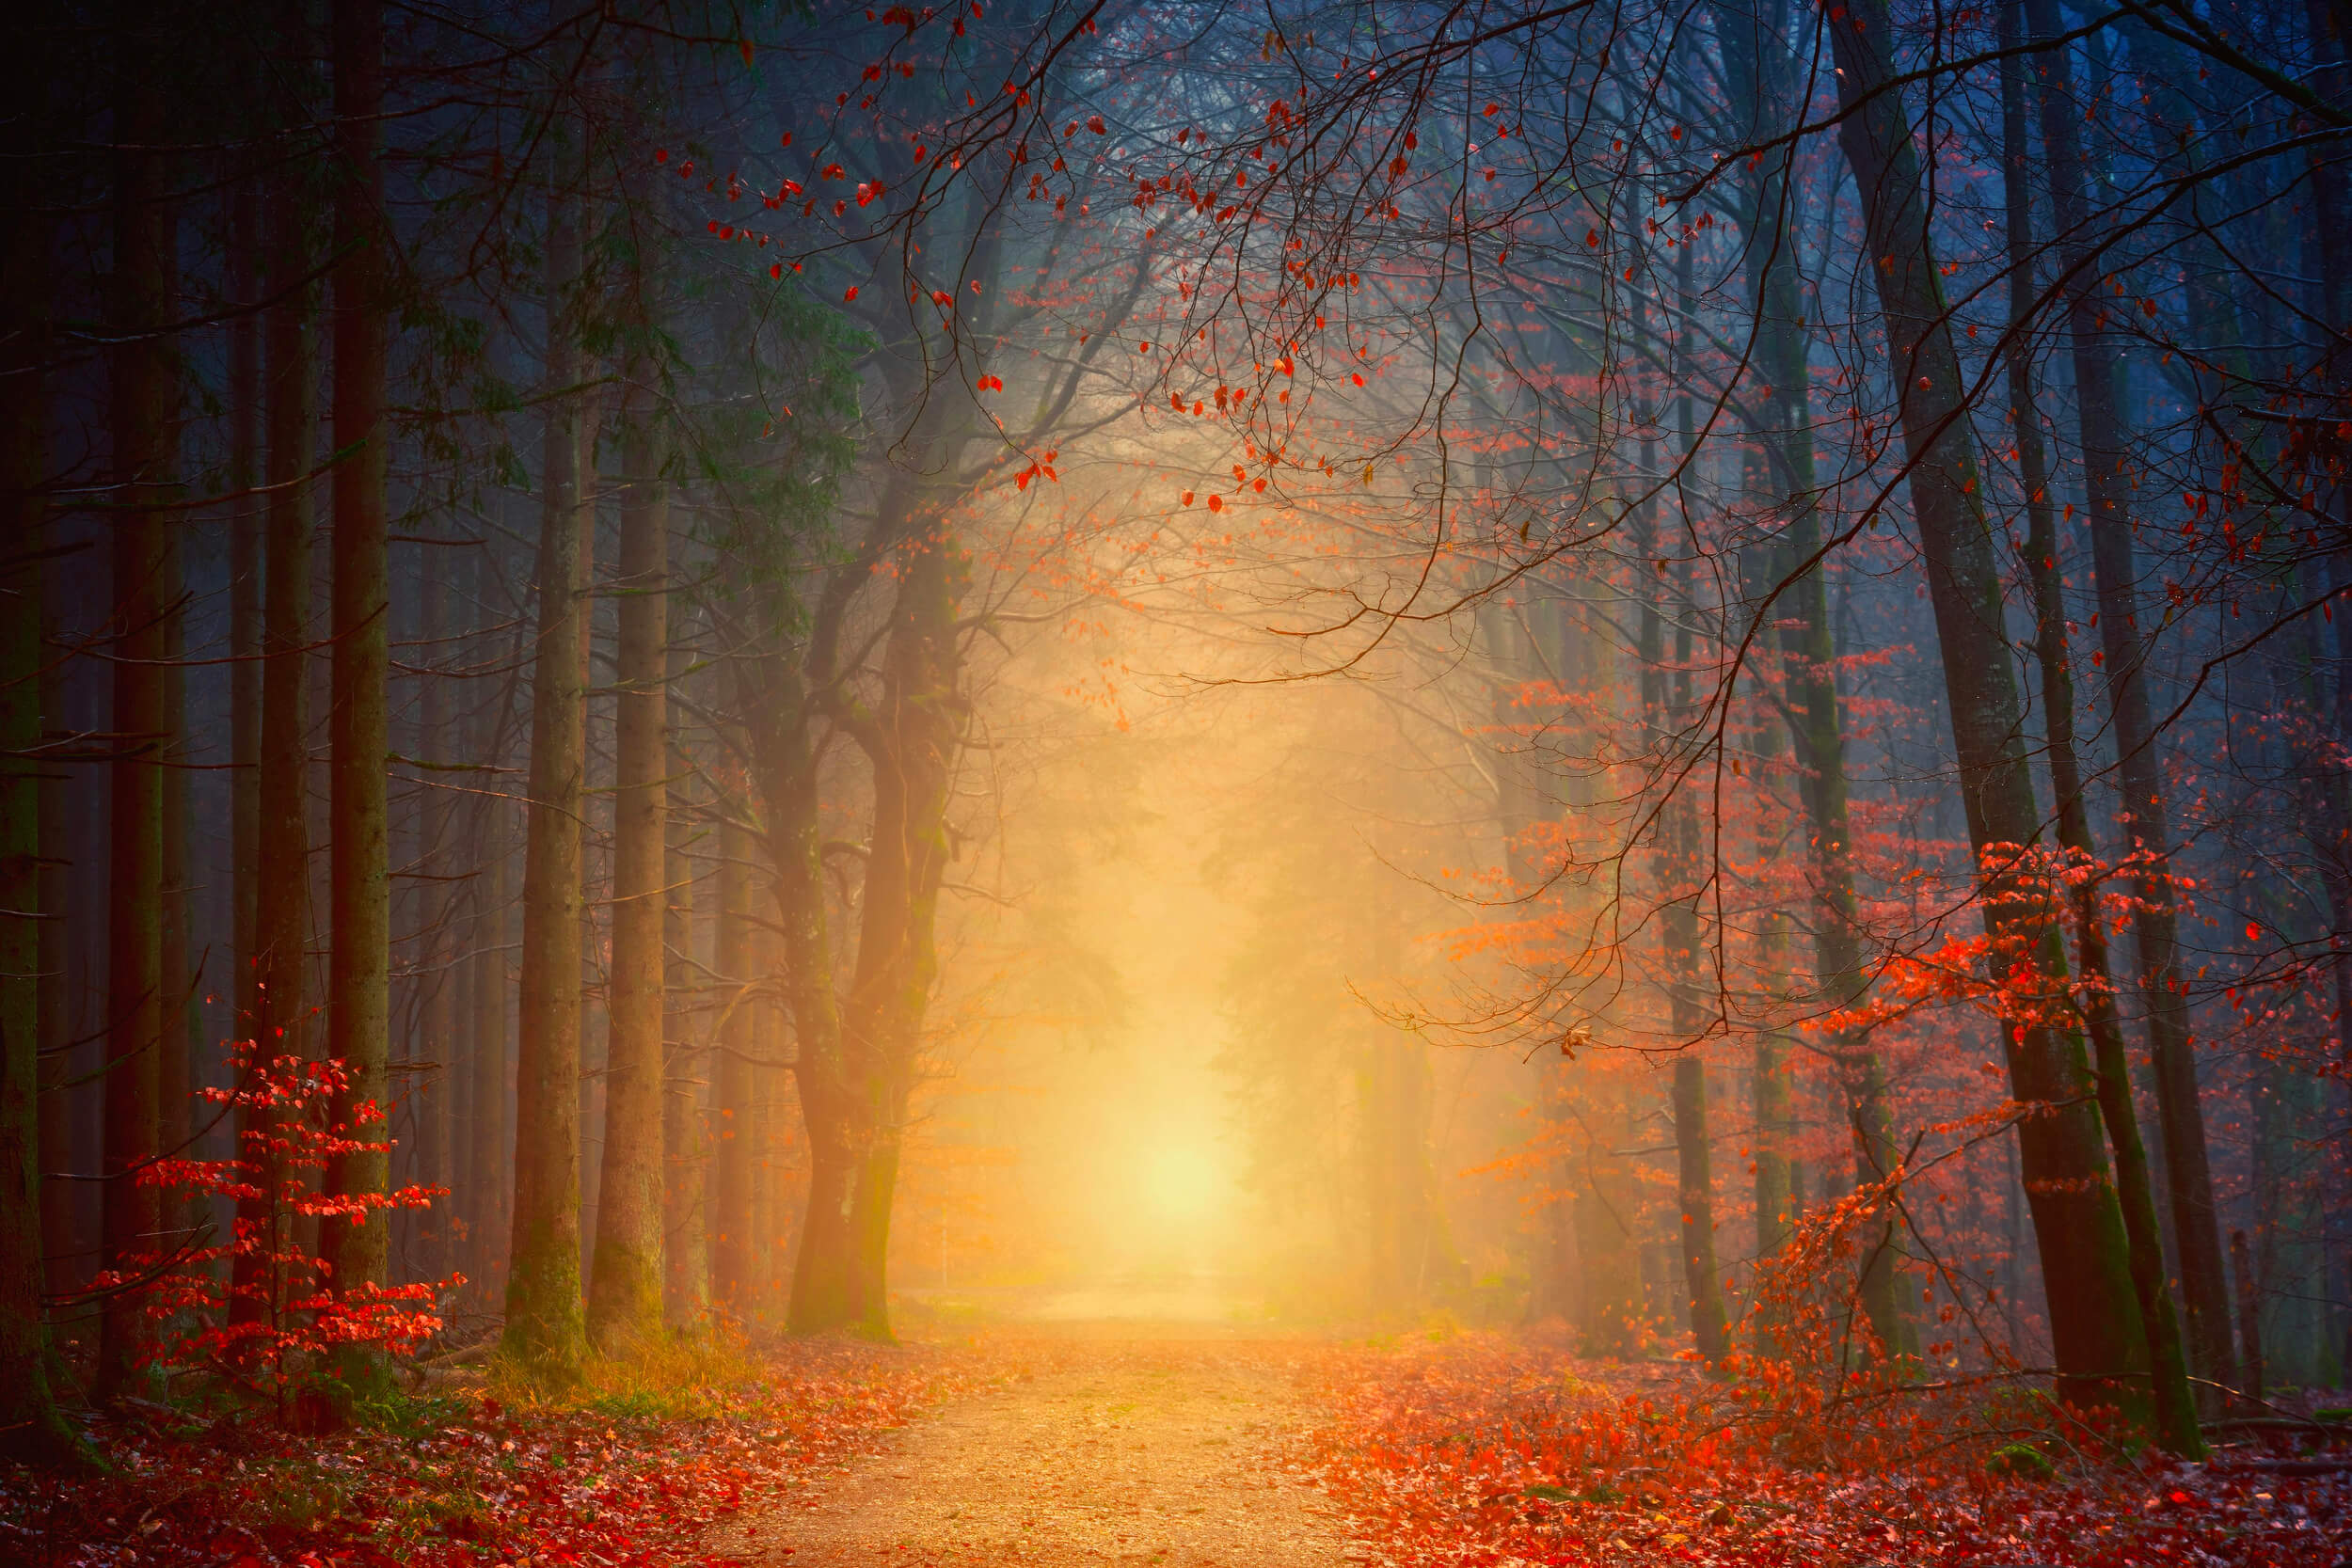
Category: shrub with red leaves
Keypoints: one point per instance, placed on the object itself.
(257, 1307)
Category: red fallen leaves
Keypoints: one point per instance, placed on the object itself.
(470, 1482)
(1484, 1452)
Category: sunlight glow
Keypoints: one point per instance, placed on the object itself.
(1182, 1183)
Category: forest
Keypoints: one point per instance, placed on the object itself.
(1586, 800)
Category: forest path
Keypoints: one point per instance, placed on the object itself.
(1119, 1447)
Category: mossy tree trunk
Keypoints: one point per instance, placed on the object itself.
(546, 1330)
(626, 1291)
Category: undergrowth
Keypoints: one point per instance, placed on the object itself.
(636, 1463)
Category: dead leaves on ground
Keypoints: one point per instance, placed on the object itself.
(464, 1481)
(1487, 1453)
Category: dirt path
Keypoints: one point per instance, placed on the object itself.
(1115, 1450)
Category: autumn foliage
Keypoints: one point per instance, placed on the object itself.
(256, 1306)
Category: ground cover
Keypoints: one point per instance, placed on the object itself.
(634, 1469)
(1482, 1450)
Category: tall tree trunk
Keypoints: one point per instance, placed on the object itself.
(825, 1287)
(176, 1067)
(245, 533)
(1680, 927)
(2250, 1315)
(2095, 1315)
(1757, 70)
(489, 1158)
(359, 1011)
(546, 1329)
(1679, 914)
(730, 1222)
(625, 1300)
(278, 1010)
(2175, 1410)
(1607, 1209)
(433, 1091)
(761, 1131)
(685, 1151)
(60, 1242)
(144, 393)
(2108, 490)
(912, 744)
(30, 1426)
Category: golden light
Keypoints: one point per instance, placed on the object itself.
(1184, 1182)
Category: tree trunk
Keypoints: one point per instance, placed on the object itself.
(1757, 72)
(279, 976)
(1608, 1322)
(2250, 1315)
(685, 1151)
(1679, 914)
(30, 1426)
(1695, 1193)
(545, 1327)
(625, 1302)
(2094, 1317)
(359, 1011)
(178, 1023)
(145, 404)
(825, 1287)
(731, 1164)
(60, 1240)
(912, 744)
(2107, 492)
(432, 1090)
(2175, 1409)
(247, 528)
(490, 1157)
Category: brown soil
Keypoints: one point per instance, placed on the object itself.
(1172, 1452)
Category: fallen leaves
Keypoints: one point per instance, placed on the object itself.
(463, 1480)
(1489, 1451)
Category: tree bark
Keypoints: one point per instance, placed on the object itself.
(2154, 922)
(65, 1255)
(490, 1156)
(175, 1045)
(1679, 914)
(30, 1427)
(826, 1292)
(625, 1302)
(731, 1169)
(144, 404)
(1609, 1319)
(686, 1148)
(280, 1006)
(546, 1330)
(2174, 1408)
(2095, 1315)
(358, 1012)
(1757, 70)
(247, 528)
(912, 744)
(433, 1090)
(2250, 1315)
